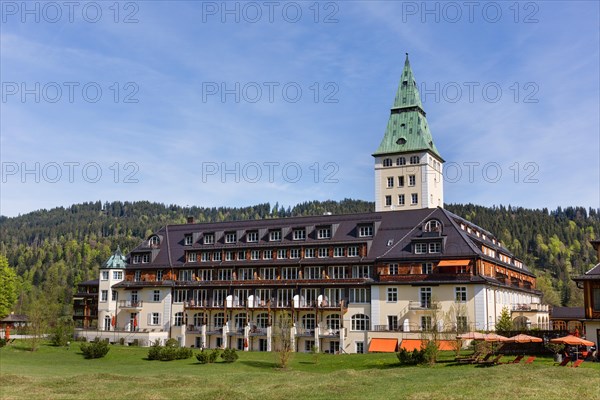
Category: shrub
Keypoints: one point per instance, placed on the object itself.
(122, 341)
(411, 357)
(229, 355)
(95, 349)
(430, 352)
(154, 351)
(555, 347)
(208, 357)
(168, 353)
(62, 332)
(2, 342)
(172, 343)
(184, 353)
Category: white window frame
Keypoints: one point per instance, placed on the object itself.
(392, 295)
(252, 237)
(299, 234)
(275, 235)
(352, 251)
(230, 237)
(104, 275)
(209, 238)
(324, 232)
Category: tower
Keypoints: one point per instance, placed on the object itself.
(408, 166)
(111, 273)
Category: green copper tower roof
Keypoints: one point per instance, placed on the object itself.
(117, 260)
(407, 129)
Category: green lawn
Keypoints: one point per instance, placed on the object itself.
(58, 373)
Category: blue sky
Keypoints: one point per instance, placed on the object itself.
(238, 103)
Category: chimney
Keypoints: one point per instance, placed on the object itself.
(190, 219)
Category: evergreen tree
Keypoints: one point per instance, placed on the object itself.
(504, 323)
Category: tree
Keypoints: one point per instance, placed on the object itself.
(504, 323)
(283, 339)
(8, 287)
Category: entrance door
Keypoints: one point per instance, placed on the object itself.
(107, 323)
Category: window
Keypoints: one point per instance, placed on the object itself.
(262, 321)
(365, 230)
(281, 254)
(323, 252)
(361, 271)
(217, 256)
(333, 297)
(308, 345)
(400, 161)
(118, 275)
(268, 273)
(393, 269)
(255, 254)
(308, 322)
(199, 319)
(401, 181)
(401, 200)
(180, 296)
(209, 238)
(178, 319)
(134, 296)
(338, 252)
(262, 297)
(219, 296)
(420, 248)
(388, 200)
(392, 322)
(241, 255)
(435, 247)
(425, 297)
(191, 257)
(360, 347)
(252, 237)
(426, 323)
(245, 274)
(186, 275)
(104, 295)
(285, 297)
(392, 294)
(360, 295)
(205, 256)
(230, 237)
(289, 273)
(332, 321)
(299, 234)
(352, 251)
(114, 295)
(240, 297)
(309, 253)
(137, 276)
(189, 240)
(387, 162)
(219, 320)
(390, 182)
(295, 253)
(432, 226)
(156, 295)
(240, 321)
(104, 275)
(267, 254)
(199, 297)
(154, 241)
(360, 322)
(324, 232)
(337, 272)
(412, 180)
(414, 159)
(460, 294)
(426, 268)
(154, 319)
(224, 274)
(146, 258)
(414, 199)
(229, 256)
(308, 297)
(312, 272)
(275, 236)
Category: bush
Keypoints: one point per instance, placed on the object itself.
(229, 355)
(62, 332)
(96, 349)
(154, 351)
(430, 352)
(2, 342)
(171, 351)
(184, 353)
(172, 343)
(411, 357)
(168, 353)
(208, 357)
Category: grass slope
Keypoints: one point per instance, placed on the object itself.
(57, 373)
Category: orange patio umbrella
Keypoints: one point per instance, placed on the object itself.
(472, 335)
(572, 340)
(522, 338)
(494, 337)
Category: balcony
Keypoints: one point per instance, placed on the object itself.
(329, 332)
(255, 331)
(533, 307)
(214, 330)
(422, 305)
(130, 304)
(305, 332)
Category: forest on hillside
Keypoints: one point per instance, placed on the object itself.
(51, 251)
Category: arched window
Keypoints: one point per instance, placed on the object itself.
(387, 162)
(178, 321)
(333, 321)
(401, 161)
(308, 321)
(262, 320)
(154, 241)
(360, 322)
(433, 225)
(198, 319)
(414, 159)
(219, 320)
(240, 320)
(107, 322)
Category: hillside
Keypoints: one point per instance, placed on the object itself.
(61, 247)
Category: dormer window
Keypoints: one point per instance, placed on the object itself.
(299, 234)
(188, 240)
(324, 232)
(365, 230)
(275, 235)
(252, 237)
(387, 162)
(230, 237)
(209, 238)
(433, 225)
(154, 241)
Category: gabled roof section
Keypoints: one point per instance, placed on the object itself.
(407, 129)
(117, 260)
